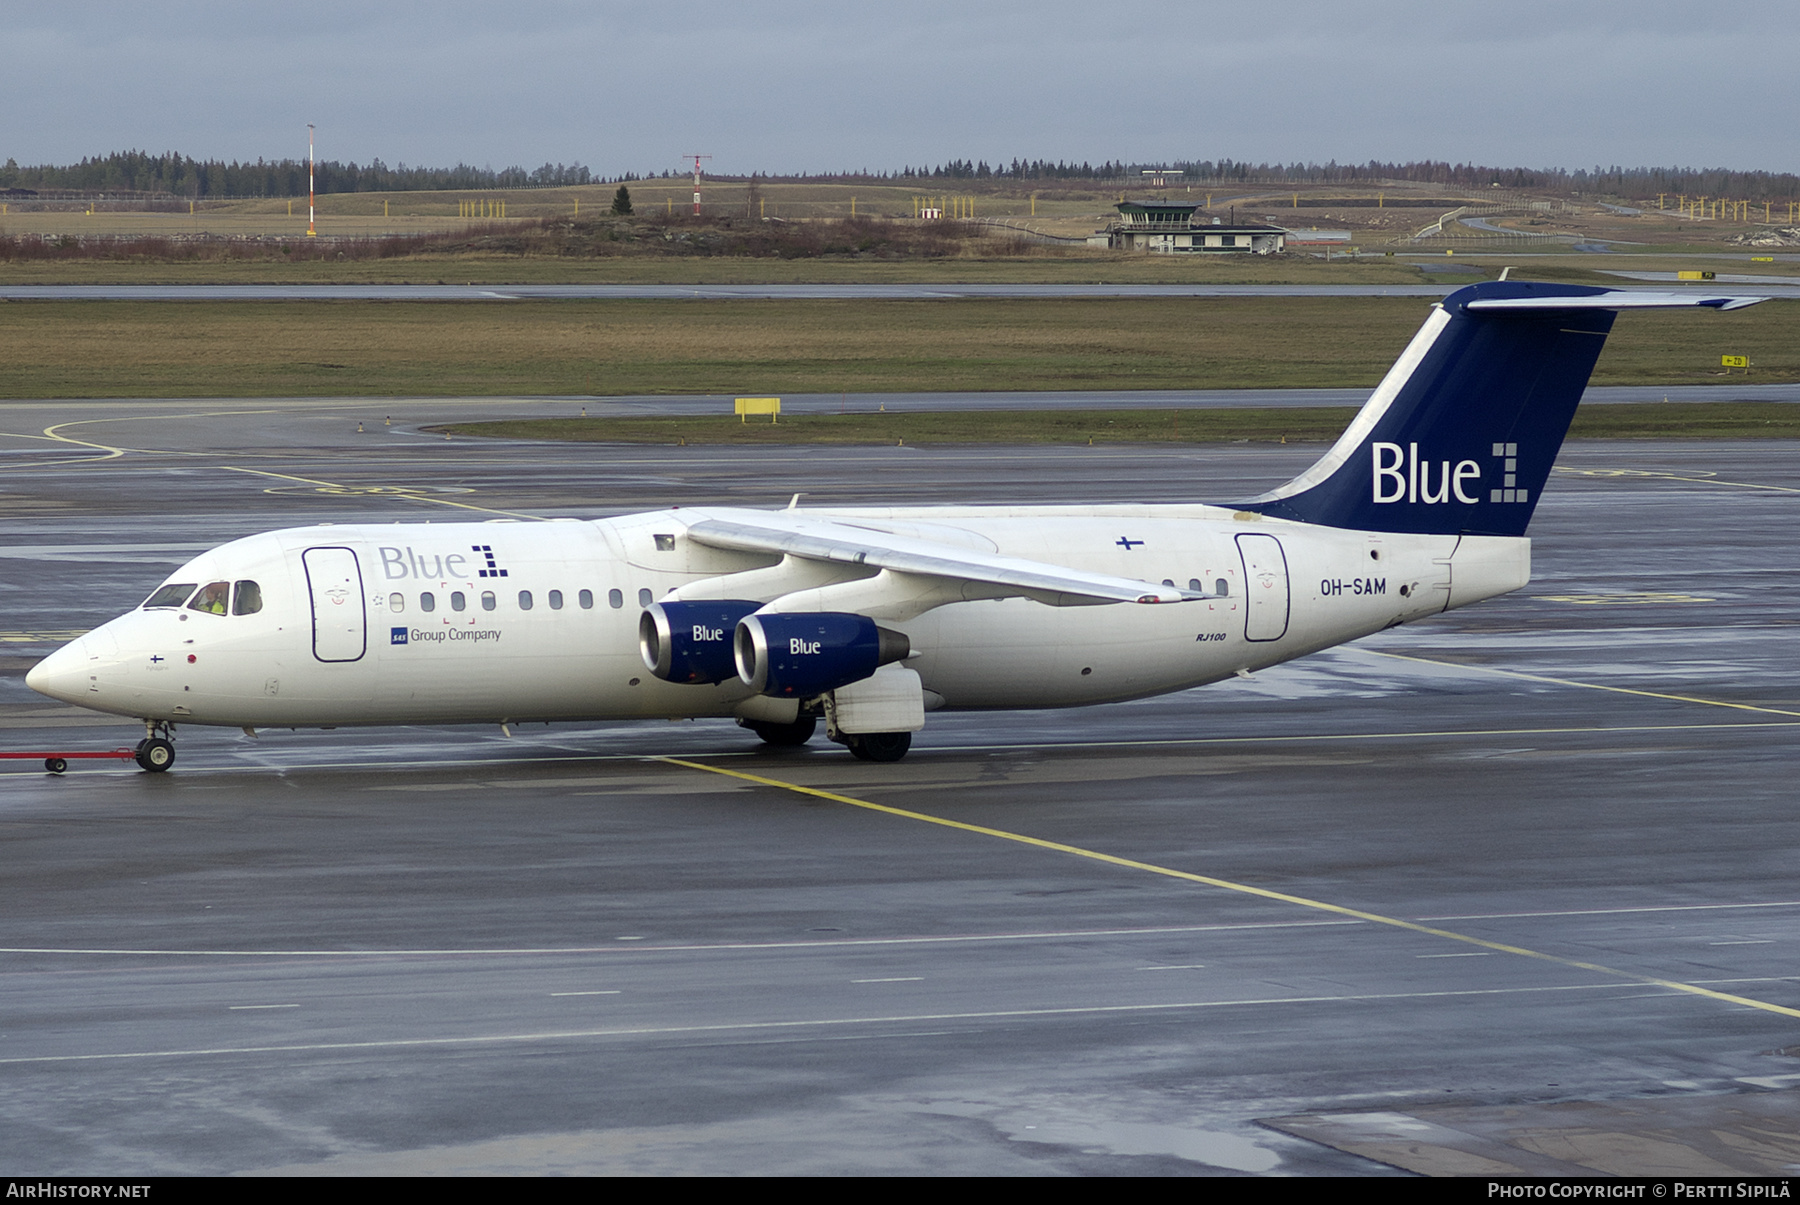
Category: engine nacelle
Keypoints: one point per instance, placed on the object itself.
(797, 656)
(691, 641)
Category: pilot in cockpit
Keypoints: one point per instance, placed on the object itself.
(212, 599)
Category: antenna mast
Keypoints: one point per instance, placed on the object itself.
(697, 159)
(310, 232)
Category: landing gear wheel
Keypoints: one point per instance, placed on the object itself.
(878, 746)
(55, 765)
(785, 736)
(155, 754)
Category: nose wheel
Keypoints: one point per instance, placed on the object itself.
(156, 752)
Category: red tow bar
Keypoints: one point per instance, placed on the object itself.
(56, 763)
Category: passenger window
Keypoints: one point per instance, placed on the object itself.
(246, 598)
(396, 603)
(556, 600)
(1194, 584)
(488, 601)
(614, 599)
(457, 601)
(212, 598)
(427, 602)
(643, 598)
(1222, 588)
(524, 600)
(172, 595)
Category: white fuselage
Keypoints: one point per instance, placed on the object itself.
(547, 626)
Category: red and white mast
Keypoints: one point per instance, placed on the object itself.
(310, 232)
(697, 159)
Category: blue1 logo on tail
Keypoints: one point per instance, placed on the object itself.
(1400, 476)
(1406, 479)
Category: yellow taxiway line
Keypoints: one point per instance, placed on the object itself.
(1242, 888)
(110, 452)
(1619, 690)
(386, 491)
(1703, 479)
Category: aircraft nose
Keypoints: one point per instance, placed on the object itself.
(61, 675)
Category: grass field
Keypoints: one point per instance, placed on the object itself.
(1712, 420)
(264, 240)
(356, 213)
(225, 349)
(1073, 267)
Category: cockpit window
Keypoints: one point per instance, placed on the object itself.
(211, 598)
(172, 595)
(246, 598)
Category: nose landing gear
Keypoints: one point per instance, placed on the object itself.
(156, 752)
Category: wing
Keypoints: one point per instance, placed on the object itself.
(897, 574)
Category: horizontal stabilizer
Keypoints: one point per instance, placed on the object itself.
(1612, 299)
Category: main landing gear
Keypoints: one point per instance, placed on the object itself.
(785, 736)
(878, 746)
(156, 752)
(866, 746)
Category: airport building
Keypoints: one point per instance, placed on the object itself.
(1169, 228)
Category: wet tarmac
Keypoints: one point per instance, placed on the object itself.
(677, 292)
(1510, 888)
(1735, 285)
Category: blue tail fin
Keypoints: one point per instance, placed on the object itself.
(1460, 435)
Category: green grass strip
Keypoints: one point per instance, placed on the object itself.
(1659, 420)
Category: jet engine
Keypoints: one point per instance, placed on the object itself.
(797, 656)
(691, 641)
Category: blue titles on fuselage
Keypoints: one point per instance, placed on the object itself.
(400, 563)
(439, 635)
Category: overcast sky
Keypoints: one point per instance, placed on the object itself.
(800, 86)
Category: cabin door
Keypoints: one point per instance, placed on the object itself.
(1266, 585)
(340, 627)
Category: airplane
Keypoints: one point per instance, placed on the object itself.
(869, 618)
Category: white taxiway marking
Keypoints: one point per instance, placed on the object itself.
(1613, 911)
(813, 1024)
(824, 944)
(266, 759)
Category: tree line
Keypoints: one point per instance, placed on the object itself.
(1615, 180)
(182, 176)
